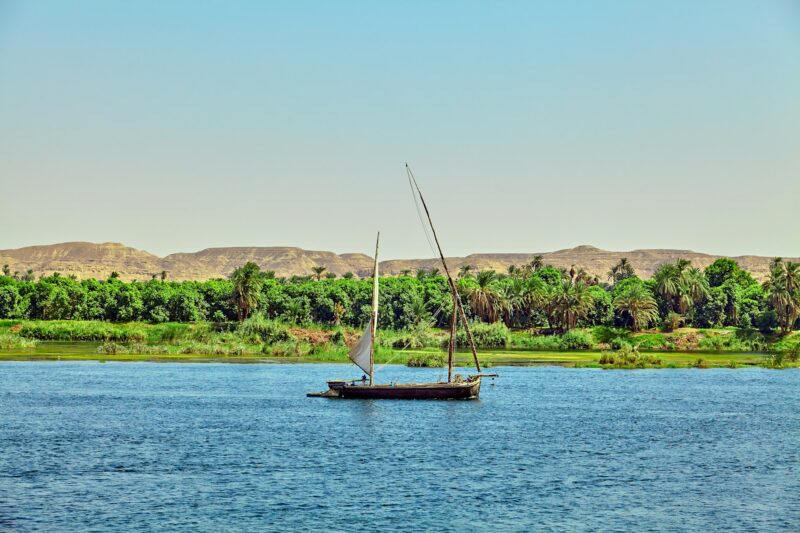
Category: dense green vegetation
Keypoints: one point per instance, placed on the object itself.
(532, 308)
(531, 296)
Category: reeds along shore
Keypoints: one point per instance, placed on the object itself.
(258, 339)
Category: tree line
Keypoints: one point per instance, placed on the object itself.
(526, 296)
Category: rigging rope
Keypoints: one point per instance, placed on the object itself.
(429, 238)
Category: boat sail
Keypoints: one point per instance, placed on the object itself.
(363, 353)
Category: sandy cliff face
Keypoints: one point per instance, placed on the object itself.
(90, 260)
(84, 259)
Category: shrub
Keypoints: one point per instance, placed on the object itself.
(416, 338)
(485, 335)
(619, 343)
(290, 348)
(576, 340)
(671, 322)
(110, 348)
(700, 363)
(10, 341)
(65, 330)
(436, 360)
(549, 343)
(629, 357)
(606, 334)
(260, 329)
(338, 337)
(745, 321)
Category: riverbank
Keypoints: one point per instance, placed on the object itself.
(273, 342)
(91, 351)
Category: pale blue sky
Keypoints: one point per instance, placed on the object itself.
(531, 126)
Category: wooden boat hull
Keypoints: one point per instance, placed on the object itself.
(465, 390)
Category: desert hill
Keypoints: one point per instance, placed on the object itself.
(91, 260)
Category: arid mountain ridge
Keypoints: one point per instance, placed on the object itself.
(91, 260)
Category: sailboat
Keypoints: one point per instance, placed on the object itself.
(363, 352)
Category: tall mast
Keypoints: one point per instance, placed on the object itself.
(453, 289)
(452, 346)
(374, 319)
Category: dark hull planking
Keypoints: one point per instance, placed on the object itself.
(468, 390)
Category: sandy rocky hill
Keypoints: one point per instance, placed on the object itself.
(90, 260)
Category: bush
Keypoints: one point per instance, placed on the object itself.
(9, 341)
(606, 334)
(671, 322)
(417, 338)
(700, 363)
(619, 343)
(338, 337)
(548, 343)
(745, 321)
(576, 340)
(65, 330)
(653, 341)
(434, 360)
(260, 329)
(110, 348)
(485, 335)
(629, 357)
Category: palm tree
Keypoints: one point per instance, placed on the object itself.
(620, 271)
(6, 270)
(417, 310)
(338, 313)
(483, 298)
(405, 272)
(639, 304)
(465, 271)
(783, 289)
(318, 270)
(537, 263)
(694, 287)
(534, 296)
(247, 284)
(569, 302)
(680, 286)
(163, 275)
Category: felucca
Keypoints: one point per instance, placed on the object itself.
(363, 353)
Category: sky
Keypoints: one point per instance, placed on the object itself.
(531, 126)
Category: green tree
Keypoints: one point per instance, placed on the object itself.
(569, 302)
(638, 304)
(483, 296)
(247, 285)
(318, 270)
(620, 271)
(465, 271)
(9, 300)
(783, 288)
(680, 285)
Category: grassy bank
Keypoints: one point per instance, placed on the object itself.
(260, 340)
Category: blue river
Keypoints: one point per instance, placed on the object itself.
(224, 447)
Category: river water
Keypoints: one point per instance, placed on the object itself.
(223, 447)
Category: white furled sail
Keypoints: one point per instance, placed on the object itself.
(363, 353)
(360, 353)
